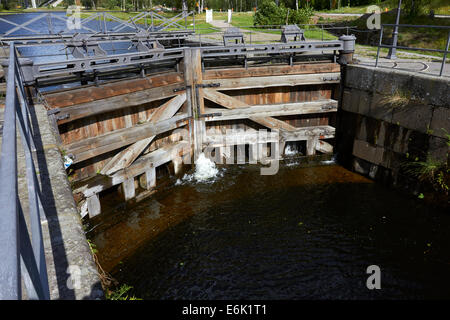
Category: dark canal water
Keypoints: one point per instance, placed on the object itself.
(305, 233)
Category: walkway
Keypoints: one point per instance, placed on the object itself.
(72, 273)
(408, 61)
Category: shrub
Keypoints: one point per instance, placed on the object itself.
(269, 13)
(301, 16)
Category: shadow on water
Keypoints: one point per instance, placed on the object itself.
(303, 233)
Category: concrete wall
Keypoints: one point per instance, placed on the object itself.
(387, 117)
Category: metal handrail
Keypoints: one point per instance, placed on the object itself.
(20, 257)
(444, 51)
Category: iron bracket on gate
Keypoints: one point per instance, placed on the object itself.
(328, 107)
(181, 88)
(207, 85)
(58, 117)
(331, 78)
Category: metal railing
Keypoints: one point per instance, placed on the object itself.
(98, 22)
(444, 51)
(20, 257)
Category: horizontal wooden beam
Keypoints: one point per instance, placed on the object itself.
(233, 103)
(275, 81)
(85, 94)
(324, 147)
(272, 110)
(142, 165)
(302, 134)
(72, 113)
(92, 147)
(265, 71)
(253, 136)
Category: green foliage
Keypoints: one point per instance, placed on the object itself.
(301, 16)
(129, 7)
(414, 8)
(269, 13)
(112, 4)
(92, 246)
(120, 293)
(437, 173)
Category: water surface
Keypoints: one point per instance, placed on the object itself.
(305, 233)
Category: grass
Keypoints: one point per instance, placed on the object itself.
(426, 38)
(398, 99)
(439, 7)
(244, 20)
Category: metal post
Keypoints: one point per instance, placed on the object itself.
(10, 281)
(379, 46)
(445, 54)
(393, 49)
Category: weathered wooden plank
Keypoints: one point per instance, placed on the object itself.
(272, 123)
(324, 147)
(253, 137)
(95, 146)
(85, 94)
(142, 165)
(93, 205)
(302, 134)
(273, 110)
(75, 112)
(230, 102)
(279, 81)
(271, 71)
(126, 157)
(223, 99)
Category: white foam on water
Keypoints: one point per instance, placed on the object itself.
(331, 161)
(204, 168)
(205, 171)
(290, 151)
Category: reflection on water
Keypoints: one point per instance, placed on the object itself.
(307, 232)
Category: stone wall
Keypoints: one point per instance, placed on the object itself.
(388, 117)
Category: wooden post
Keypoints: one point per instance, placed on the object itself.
(190, 97)
(148, 179)
(240, 151)
(199, 123)
(253, 153)
(228, 152)
(263, 152)
(282, 146)
(177, 165)
(311, 146)
(193, 75)
(93, 205)
(129, 192)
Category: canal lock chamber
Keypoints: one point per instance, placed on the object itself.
(312, 229)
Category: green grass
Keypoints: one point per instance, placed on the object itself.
(244, 20)
(427, 38)
(439, 7)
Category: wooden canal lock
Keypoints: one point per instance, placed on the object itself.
(121, 117)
